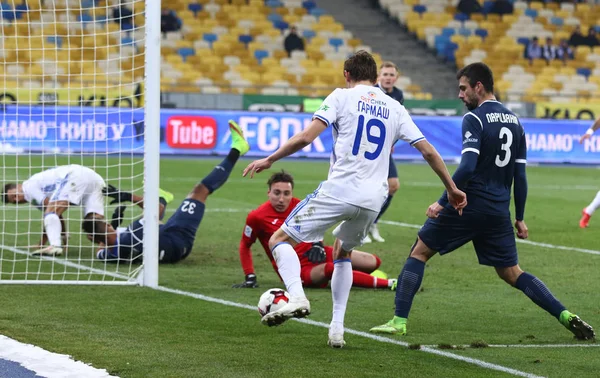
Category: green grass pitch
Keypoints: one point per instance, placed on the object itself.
(139, 332)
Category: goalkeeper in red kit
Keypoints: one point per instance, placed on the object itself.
(316, 260)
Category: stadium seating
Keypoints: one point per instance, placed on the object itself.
(237, 43)
(500, 42)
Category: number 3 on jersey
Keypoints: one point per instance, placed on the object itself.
(505, 131)
(188, 207)
(376, 139)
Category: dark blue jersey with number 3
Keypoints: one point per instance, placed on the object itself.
(496, 135)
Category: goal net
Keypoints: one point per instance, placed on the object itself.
(73, 92)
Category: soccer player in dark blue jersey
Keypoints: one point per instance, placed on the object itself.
(176, 236)
(493, 157)
(388, 74)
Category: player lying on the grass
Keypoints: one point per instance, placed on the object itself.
(53, 191)
(176, 236)
(494, 154)
(365, 124)
(316, 260)
(589, 210)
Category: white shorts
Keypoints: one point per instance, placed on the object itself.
(317, 212)
(82, 187)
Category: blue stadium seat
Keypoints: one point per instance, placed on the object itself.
(58, 41)
(87, 3)
(584, 72)
(523, 41)
(84, 17)
(533, 13)
(126, 26)
(440, 42)
(336, 42)
(273, 3)
(195, 7)
(184, 52)
(308, 5)
(465, 32)
(461, 17)
(210, 37)
(281, 25)
(308, 34)
(274, 17)
(447, 32)
(317, 12)
(558, 21)
(483, 33)
(260, 55)
(8, 12)
(245, 38)
(419, 8)
(127, 41)
(103, 19)
(449, 52)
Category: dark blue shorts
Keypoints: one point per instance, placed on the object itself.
(393, 172)
(492, 235)
(176, 237)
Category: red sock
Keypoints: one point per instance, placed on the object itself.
(377, 262)
(361, 279)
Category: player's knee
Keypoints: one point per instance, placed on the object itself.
(421, 251)
(377, 262)
(510, 275)
(199, 193)
(393, 186)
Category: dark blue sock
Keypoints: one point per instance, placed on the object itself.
(409, 282)
(221, 172)
(385, 206)
(539, 294)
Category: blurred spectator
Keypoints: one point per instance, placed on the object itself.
(533, 50)
(388, 74)
(591, 39)
(564, 52)
(502, 7)
(469, 6)
(293, 41)
(549, 50)
(122, 14)
(169, 21)
(577, 39)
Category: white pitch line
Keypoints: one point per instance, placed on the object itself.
(473, 361)
(466, 346)
(537, 244)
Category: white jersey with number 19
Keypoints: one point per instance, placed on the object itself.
(366, 125)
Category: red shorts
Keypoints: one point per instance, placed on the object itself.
(306, 267)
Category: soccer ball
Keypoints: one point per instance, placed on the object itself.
(272, 300)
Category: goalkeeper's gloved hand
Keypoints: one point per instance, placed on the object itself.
(117, 195)
(316, 254)
(249, 283)
(117, 217)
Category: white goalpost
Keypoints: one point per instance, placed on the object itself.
(79, 85)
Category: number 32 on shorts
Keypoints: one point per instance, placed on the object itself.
(188, 207)
(377, 138)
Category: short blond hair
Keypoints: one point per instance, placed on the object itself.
(388, 64)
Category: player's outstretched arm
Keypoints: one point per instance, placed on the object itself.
(294, 144)
(248, 238)
(590, 131)
(457, 198)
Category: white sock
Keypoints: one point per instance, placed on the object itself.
(288, 266)
(53, 229)
(341, 283)
(594, 205)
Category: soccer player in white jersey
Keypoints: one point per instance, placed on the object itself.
(589, 210)
(53, 191)
(365, 124)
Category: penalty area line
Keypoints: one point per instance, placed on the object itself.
(529, 242)
(426, 349)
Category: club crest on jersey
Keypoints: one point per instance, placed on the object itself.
(372, 94)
